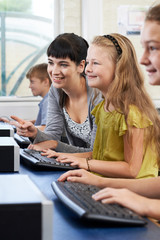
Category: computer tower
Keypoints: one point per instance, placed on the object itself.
(25, 213)
(9, 155)
(6, 130)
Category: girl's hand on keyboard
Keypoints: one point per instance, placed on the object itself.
(73, 160)
(67, 158)
(81, 176)
(124, 197)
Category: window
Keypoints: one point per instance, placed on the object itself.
(26, 29)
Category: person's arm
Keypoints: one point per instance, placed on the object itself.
(69, 148)
(148, 187)
(83, 176)
(133, 155)
(49, 144)
(50, 153)
(141, 205)
(44, 141)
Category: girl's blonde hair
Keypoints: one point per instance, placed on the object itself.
(127, 87)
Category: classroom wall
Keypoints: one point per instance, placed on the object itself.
(23, 107)
(110, 25)
(94, 17)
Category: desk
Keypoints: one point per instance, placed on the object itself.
(67, 226)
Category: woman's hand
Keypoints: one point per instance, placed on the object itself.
(81, 176)
(24, 128)
(43, 145)
(49, 153)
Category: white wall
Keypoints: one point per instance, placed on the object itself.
(23, 107)
(92, 22)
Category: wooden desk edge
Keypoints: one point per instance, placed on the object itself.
(155, 221)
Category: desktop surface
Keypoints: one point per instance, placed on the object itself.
(66, 224)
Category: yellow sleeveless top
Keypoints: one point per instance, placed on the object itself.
(109, 146)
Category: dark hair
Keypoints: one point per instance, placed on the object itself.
(153, 13)
(39, 71)
(68, 45)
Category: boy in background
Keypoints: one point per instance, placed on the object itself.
(40, 83)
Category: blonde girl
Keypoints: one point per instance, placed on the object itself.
(141, 195)
(127, 139)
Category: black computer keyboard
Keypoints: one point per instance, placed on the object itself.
(23, 142)
(35, 159)
(77, 196)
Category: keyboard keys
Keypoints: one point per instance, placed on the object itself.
(78, 197)
(35, 159)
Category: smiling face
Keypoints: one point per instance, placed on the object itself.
(150, 39)
(63, 72)
(100, 68)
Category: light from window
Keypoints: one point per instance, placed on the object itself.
(26, 29)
